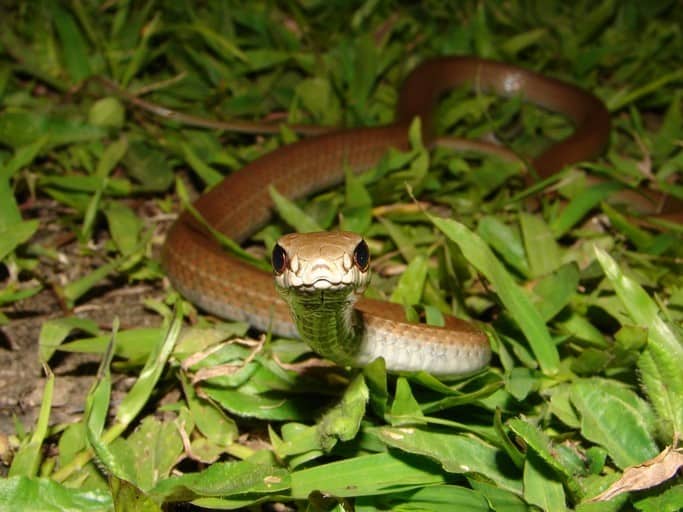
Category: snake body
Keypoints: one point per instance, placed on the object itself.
(228, 287)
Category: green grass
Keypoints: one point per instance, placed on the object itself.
(584, 306)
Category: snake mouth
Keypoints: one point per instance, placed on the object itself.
(321, 285)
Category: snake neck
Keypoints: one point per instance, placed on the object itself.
(327, 322)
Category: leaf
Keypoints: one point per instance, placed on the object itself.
(75, 289)
(211, 421)
(131, 405)
(408, 290)
(54, 332)
(540, 488)
(367, 475)
(589, 198)
(455, 452)
(341, 423)
(21, 128)
(22, 493)
(208, 174)
(616, 419)
(662, 360)
(671, 500)
(541, 249)
(505, 241)
(318, 97)
(225, 479)
(357, 211)
(15, 235)
(148, 165)
(556, 290)
(74, 48)
(432, 498)
(107, 113)
(124, 226)
(405, 410)
(292, 214)
(513, 298)
(153, 450)
(551, 459)
(23, 157)
(653, 472)
(128, 497)
(273, 406)
(29, 455)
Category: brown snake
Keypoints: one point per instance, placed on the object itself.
(228, 287)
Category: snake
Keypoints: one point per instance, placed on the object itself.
(320, 277)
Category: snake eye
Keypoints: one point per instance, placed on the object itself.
(361, 256)
(279, 259)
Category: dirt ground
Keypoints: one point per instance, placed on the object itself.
(21, 376)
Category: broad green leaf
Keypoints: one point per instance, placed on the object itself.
(615, 418)
(10, 216)
(433, 498)
(670, 500)
(107, 113)
(341, 423)
(292, 214)
(405, 410)
(522, 381)
(357, 211)
(511, 295)
(21, 493)
(225, 479)
(318, 97)
(132, 344)
(516, 44)
(557, 460)
(379, 473)
(671, 128)
(21, 128)
(409, 288)
(210, 420)
(124, 226)
(505, 241)
(152, 450)
(542, 251)
(555, 290)
(74, 47)
(141, 52)
(274, 406)
(402, 240)
(23, 157)
(299, 444)
(641, 238)
(54, 332)
(148, 165)
(129, 497)
(663, 359)
(540, 488)
(500, 499)
(455, 452)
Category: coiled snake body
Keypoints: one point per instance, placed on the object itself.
(226, 286)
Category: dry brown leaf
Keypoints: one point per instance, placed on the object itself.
(648, 474)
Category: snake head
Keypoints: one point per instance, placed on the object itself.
(309, 262)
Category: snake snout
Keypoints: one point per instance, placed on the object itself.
(320, 274)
